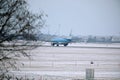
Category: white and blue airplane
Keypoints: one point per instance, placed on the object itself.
(60, 41)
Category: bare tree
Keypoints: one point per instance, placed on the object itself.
(15, 20)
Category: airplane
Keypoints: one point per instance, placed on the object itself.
(60, 41)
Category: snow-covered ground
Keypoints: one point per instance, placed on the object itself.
(72, 61)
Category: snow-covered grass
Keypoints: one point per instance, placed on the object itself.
(73, 60)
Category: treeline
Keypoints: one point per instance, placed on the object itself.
(86, 39)
(96, 39)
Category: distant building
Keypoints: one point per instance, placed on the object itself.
(116, 39)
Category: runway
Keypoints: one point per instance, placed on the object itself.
(72, 61)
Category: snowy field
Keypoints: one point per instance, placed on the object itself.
(73, 60)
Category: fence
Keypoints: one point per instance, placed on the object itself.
(28, 76)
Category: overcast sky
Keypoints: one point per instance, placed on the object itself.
(83, 17)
